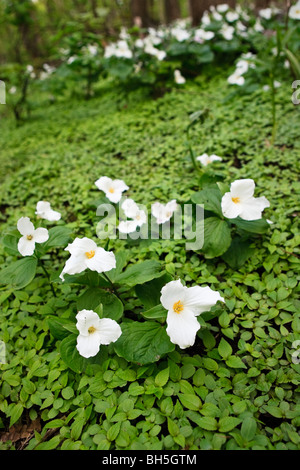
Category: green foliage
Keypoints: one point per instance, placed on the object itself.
(238, 387)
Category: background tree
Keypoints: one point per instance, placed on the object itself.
(172, 10)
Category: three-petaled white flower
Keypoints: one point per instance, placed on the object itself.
(184, 304)
(85, 254)
(94, 331)
(206, 159)
(31, 236)
(132, 211)
(113, 189)
(44, 211)
(240, 201)
(294, 11)
(163, 212)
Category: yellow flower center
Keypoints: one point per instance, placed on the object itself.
(90, 254)
(29, 237)
(178, 307)
(236, 200)
(111, 190)
(91, 330)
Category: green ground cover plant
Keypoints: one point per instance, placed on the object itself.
(237, 387)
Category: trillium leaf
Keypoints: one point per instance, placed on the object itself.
(73, 359)
(58, 237)
(87, 278)
(20, 273)
(121, 259)
(217, 237)
(139, 273)
(211, 198)
(93, 297)
(155, 312)
(259, 226)
(238, 253)
(60, 328)
(10, 243)
(149, 292)
(143, 342)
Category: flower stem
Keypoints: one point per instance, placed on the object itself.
(112, 286)
(48, 276)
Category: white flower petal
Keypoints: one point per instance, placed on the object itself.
(104, 183)
(130, 208)
(171, 293)
(25, 226)
(41, 235)
(182, 328)
(230, 209)
(88, 346)
(74, 265)
(201, 299)
(26, 247)
(86, 319)
(252, 209)
(128, 226)
(102, 261)
(80, 246)
(244, 189)
(109, 331)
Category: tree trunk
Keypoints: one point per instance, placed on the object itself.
(262, 3)
(172, 10)
(139, 12)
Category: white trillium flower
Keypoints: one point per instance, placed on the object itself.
(232, 16)
(163, 212)
(132, 211)
(236, 78)
(44, 211)
(227, 32)
(179, 79)
(184, 304)
(294, 12)
(113, 189)
(94, 331)
(85, 254)
(31, 236)
(240, 201)
(151, 50)
(222, 8)
(202, 35)
(180, 34)
(206, 159)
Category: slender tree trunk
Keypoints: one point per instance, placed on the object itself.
(172, 10)
(262, 3)
(139, 12)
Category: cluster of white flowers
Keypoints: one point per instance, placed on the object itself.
(245, 62)
(294, 11)
(114, 189)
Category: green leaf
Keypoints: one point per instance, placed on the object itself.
(61, 327)
(238, 253)
(248, 428)
(156, 312)
(228, 423)
(93, 297)
(162, 377)
(217, 237)
(235, 362)
(20, 273)
(190, 401)
(58, 237)
(10, 243)
(143, 342)
(259, 226)
(211, 198)
(72, 358)
(15, 413)
(140, 273)
(207, 422)
(149, 293)
(224, 349)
